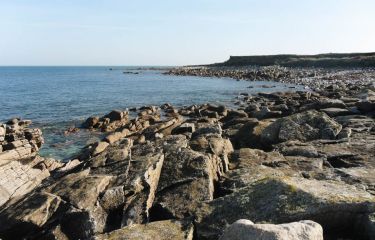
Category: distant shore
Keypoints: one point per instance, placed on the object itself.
(314, 78)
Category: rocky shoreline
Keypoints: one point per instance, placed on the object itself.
(313, 78)
(292, 165)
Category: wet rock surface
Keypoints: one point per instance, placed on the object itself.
(191, 172)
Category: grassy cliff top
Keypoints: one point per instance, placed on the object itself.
(329, 60)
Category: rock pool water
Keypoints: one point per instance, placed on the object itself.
(55, 98)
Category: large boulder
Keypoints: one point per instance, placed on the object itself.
(187, 178)
(116, 115)
(341, 209)
(21, 168)
(304, 126)
(28, 215)
(246, 230)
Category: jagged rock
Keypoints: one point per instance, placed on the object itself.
(116, 136)
(91, 122)
(246, 230)
(210, 114)
(324, 103)
(207, 128)
(338, 207)
(184, 128)
(163, 127)
(80, 189)
(115, 115)
(296, 148)
(248, 158)
(304, 126)
(166, 230)
(264, 113)
(334, 112)
(231, 114)
(186, 179)
(345, 133)
(19, 153)
(28, 215)
(19, 177)
(140, 186)
(174, 143)
(249, 134)
(99, 147)
(118, 152)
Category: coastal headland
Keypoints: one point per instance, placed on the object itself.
(286, 165)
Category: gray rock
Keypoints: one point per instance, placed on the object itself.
(332, 204)
(246, 230)
(184, 128)
(91, 122)
(29, 214)
(304, 126)
(116, 115)
(166, 230)
(334, 112)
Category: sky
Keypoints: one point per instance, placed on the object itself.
(175, 32)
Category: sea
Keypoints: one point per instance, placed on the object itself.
(57, 98)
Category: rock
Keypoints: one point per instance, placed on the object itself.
(184, 128)
(246, 230)
(166, 230)
(91, 122)
(234, 114)
(68, 166)
(19, 153)
(264, 113)
(186, 179)
(324, 103)
(205, 129)
(20, 177)
(366, 106)
(334, 112)
(210, 114)
(116, 136)
(345, 133)
(140, 185)
(249, 135)
(2, 133)
(28, 215)
(81, 190)
(338, 207)
(304, 126)
(296, 148)
(115, 115)
(99, 147)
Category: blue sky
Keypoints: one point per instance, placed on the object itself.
(172, 32)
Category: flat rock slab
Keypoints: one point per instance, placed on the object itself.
(334, 205)
(187, 178)
(166, 230)
(28, 215)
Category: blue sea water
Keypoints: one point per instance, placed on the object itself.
(55, 98)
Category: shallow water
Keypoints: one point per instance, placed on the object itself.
(55, 98)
